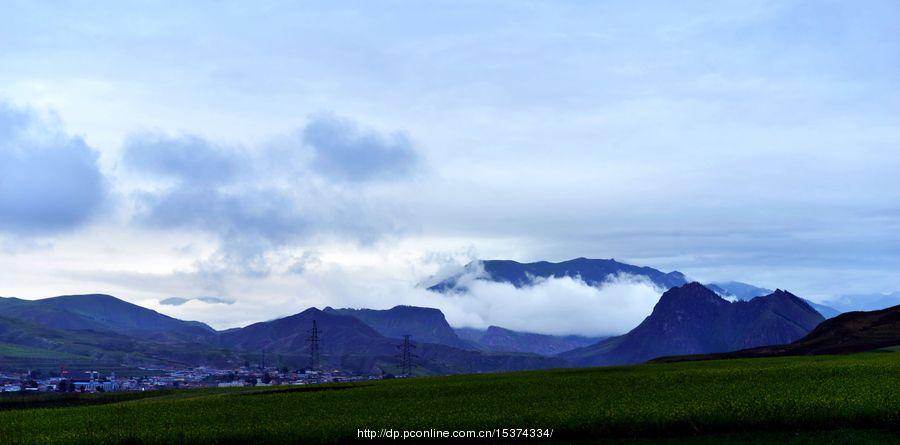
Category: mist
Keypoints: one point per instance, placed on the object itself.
(557, 306)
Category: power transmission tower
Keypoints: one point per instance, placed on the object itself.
(406, 356)
(313, 347)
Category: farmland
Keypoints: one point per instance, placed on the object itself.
(789, 399)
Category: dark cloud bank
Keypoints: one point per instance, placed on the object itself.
(315, 182)
(49, 181)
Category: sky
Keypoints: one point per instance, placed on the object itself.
(281, 155)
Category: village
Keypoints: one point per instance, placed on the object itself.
(152, 379)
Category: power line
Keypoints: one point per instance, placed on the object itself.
(313, 347)
(406, 356)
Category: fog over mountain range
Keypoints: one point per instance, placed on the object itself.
(591, 272)
(688, 318)
(100, 330)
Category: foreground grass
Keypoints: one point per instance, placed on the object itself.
(790, 400)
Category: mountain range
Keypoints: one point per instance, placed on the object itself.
(595, 272)
(429, 325)
(29, 345)
(348, 343)
(426, 325)
(103, 313)
(745, 292)
(495, 338)
(847, 333)
(692, 319)
(104, 331)
(689, 318)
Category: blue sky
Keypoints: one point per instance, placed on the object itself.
(285, 154)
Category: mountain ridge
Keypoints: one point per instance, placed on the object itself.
(694, 319)
(850, 332)
(593, 272)
(499, 339)
(427, 325)
(101, 312)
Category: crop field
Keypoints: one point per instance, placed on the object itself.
(842, 399)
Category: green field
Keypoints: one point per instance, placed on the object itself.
(8, 351)
(845, 399)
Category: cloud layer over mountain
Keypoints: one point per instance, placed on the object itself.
(560, 306)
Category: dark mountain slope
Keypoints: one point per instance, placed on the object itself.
(103, 313)
(592, 271)
(428, 325)
(346, 342)
(847, 333)
(692, 319)
(102, 348)
(498, 339)
(853, 332)
(339, 335)
(424, 325)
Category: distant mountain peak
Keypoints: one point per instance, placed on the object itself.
(311, 311)
(692, 319)
(738, 291)
(104, 313)
(424, 324)
(849, 332)
(594, 272)
(691, 293)
(416, 309)
(782, 293)
(88, 297)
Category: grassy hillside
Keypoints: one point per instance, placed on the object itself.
(847, 398)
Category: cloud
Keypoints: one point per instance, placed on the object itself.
(178, 301)
(559, 306)
(186, 158)
(555, 306)
(308, 259)
(49, 181)
(260, 200)
(344, 151)
(218, 315)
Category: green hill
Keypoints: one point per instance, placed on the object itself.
(822, 399)
(103, 313)
(27, 345)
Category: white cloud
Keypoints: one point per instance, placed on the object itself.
(263, 199)
(559, 306)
